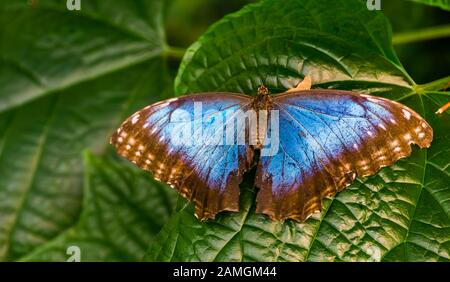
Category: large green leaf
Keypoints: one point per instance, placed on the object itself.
(84, 71)
(335, 43)
(123, 209)
(401, 213)
(69, 47)
(443, 4)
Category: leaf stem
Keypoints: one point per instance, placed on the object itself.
(421, 35)
(436, 85)
(174, 52)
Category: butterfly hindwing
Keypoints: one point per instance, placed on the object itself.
(184, 146)
(326, 139)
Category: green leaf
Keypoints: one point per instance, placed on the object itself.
(123, 209)
(94, 76)
(401, 213)
(443, 4)
(70, 47)
(250, 48)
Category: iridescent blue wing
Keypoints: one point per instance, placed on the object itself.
(326, 139)
(170, 140)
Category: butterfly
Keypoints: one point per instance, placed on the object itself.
(307, 145)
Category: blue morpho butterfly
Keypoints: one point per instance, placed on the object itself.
(308, 144)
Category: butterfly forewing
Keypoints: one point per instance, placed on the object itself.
(327, 138)
(182, 141)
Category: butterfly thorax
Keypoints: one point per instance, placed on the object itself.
(262, 101)
(262, 104)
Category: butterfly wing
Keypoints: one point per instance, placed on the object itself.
(179, 141)
(326, 139)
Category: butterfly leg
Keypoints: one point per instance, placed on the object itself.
(443, 108)
(305, 84)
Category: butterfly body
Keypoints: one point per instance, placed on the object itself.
(310, 145)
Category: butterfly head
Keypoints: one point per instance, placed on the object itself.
(262, 101)
(263, 90)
